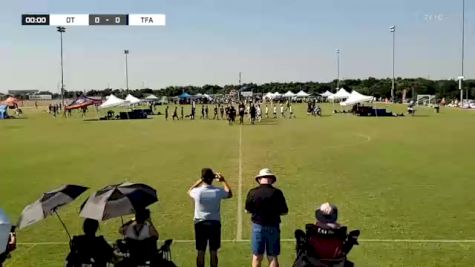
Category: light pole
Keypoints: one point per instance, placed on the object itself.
(239, 89)
(338, 69)
(393, 30)
(126, 52)
(61, 30)
(463, 54)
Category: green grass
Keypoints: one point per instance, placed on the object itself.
(393, 178)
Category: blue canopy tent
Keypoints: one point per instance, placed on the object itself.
(3, 112)
(184, 96)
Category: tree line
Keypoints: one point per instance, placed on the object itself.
(372, 86)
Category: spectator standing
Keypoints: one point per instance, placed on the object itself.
(266, 204)
(207, 216)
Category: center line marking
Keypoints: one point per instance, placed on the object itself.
(239, 205)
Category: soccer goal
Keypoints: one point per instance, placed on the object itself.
(426, 100)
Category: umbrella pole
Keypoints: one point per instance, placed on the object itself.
(64, 225)
(122, 221)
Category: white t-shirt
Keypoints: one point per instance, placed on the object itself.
(138, 233)
(208, 202)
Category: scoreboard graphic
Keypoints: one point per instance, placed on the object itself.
(93, 19)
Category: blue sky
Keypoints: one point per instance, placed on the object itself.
(210, 41)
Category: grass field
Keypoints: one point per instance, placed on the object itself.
(402, 181)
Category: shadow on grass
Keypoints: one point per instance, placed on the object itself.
(88, 120)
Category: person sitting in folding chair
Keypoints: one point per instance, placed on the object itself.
(325, 243)
(140, 240)
(89, 249)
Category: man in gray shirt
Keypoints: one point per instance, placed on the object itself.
(208, 215)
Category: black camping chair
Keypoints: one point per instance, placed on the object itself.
(88, 252)
(314, 245)
(143, 253)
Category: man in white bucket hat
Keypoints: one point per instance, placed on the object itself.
(266, 204)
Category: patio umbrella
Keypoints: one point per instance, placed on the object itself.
(118, 200)
(48, 204)
(5, 228)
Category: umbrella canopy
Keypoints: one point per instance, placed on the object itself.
(326, 94)
(302, 94)
(82, 101)
(341, 94)
(151, 97)
(132, 99)
(356, 98)
(5, 228)
(49, 203)
(118, 200)
(10, 101)
(289, 94)
(113, 101)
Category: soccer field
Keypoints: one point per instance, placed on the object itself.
(407, 183)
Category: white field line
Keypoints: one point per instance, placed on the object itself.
(239, 201)
(422, 241)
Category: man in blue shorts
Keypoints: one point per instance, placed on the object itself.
(266, 204)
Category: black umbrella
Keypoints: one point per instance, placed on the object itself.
(48, 204)
(118, 200)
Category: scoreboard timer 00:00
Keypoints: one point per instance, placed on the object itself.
(35, 19)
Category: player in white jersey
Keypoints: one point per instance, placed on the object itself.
(282, 110)
(291, 112)
(259, 112)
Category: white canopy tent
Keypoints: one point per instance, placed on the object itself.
(151, 97)
(356, 98)
(289, 94)
(207, 97)
(269, 95)
(341, 94)
(132, 99)
(302, 94)
(113, 101)
(277, 94)
(326, 94)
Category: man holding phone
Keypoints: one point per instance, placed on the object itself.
(207, 216)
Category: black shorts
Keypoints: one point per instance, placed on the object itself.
(208, 231)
